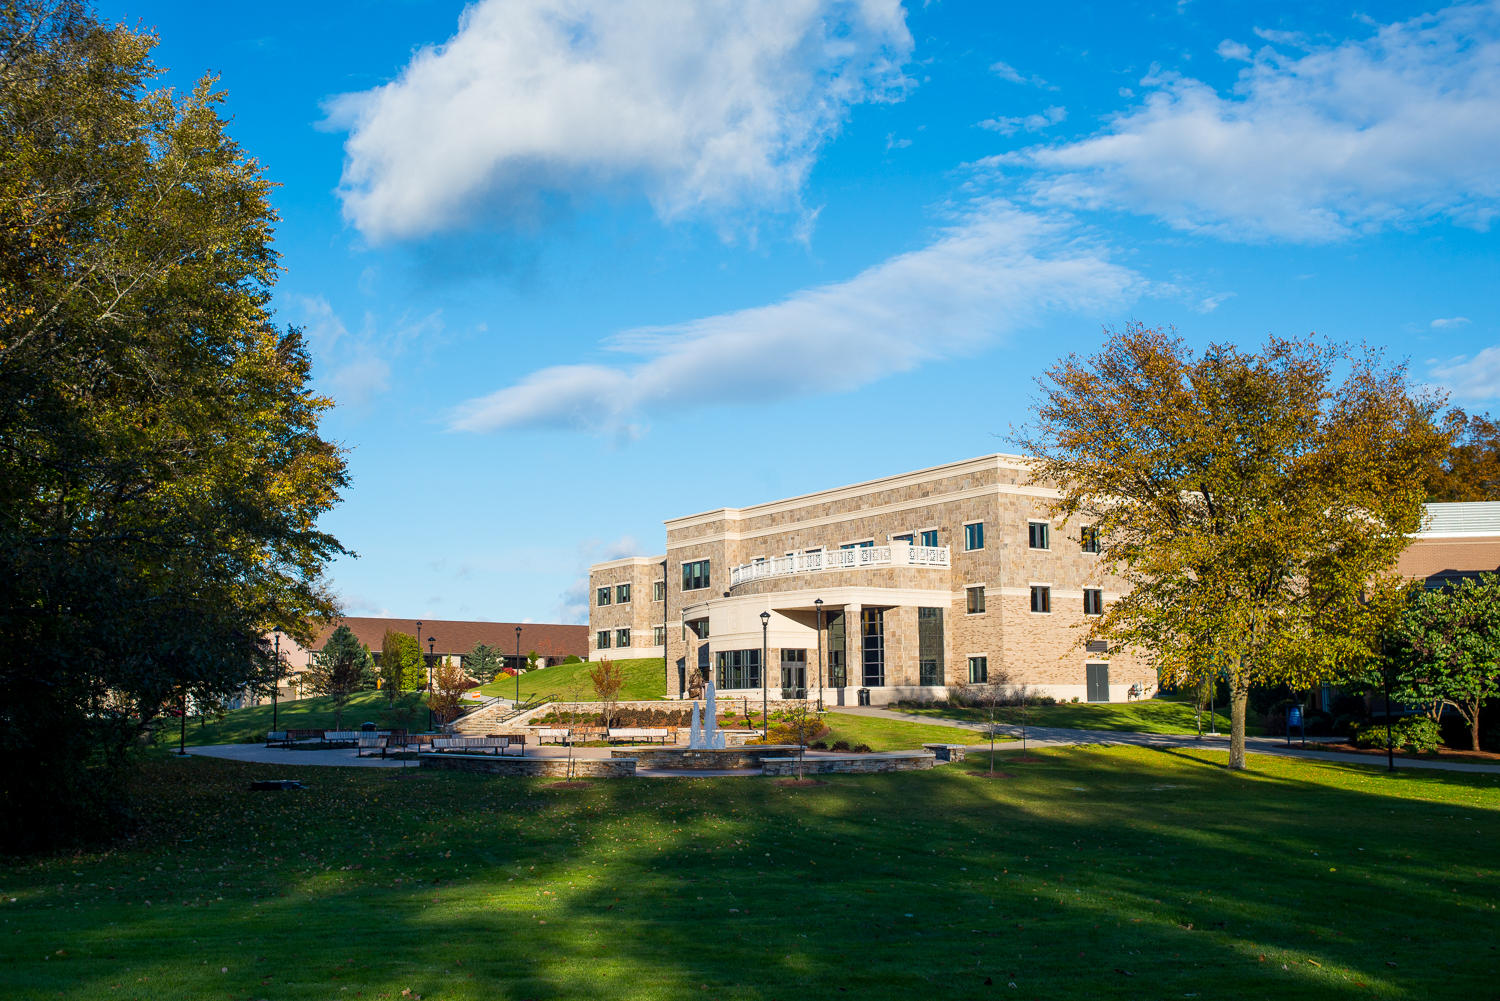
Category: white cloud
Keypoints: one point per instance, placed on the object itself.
(1231, 49)
(1456, 321)
(891, 142)
(707, 107)
(1031, 123)
(1391, 130)
(1476, 378)
(1006, 71)
(356, 368)
(995, 269)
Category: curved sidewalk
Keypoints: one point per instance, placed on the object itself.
(1056, 736)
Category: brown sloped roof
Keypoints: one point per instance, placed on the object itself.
(454, 637)
(1428, 558)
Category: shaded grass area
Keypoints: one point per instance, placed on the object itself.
(644, 681)
(897, 735)
(242, 726)
(1147, 716)
(1098, 873)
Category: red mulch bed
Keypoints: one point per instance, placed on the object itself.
(1441, 754)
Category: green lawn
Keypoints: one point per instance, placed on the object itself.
(644, 681)
(1098, 873)
(1147, 716)
(243, 726)
(895, 735)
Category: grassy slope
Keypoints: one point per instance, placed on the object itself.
(246, 725)
(644, 680)
(1148, 716)
(1092, 864)
(895, 735)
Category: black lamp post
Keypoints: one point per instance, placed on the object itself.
(431, 642)
(518, 665)
(765, 669)
(182, 733)
(819, 603)
(276, 679)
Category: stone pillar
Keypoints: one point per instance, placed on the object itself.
(854, 654)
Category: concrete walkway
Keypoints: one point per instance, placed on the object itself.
(1056, 736)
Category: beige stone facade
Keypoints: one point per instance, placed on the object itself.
(626, 606)
(895, 563)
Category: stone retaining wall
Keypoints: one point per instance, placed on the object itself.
(947, 752)
(895, 761)
(593, 768)
(713, 758)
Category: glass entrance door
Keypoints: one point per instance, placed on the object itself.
(794, 674)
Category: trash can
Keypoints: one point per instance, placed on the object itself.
(864, 696)
(367, 727)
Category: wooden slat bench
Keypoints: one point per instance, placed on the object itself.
(634, 733)
(494, 744)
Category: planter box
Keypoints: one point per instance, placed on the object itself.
(893, 761)
(686, 759)
(947, 752)
(489, 764)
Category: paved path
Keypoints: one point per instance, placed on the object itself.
(1056, 736)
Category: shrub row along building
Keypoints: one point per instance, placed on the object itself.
(905, 587)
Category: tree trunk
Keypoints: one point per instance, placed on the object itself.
(1474, 724)
(1239, 696)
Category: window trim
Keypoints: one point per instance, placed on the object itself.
(968, 525)
(707, 578)
(601, 639)
(627, 589)
(604, 596)
(858, 543)
(622, 634)
(658, 635)
(1046, 527)
(984, 657)
(1099, 591)
(1083, 539)
(934, 529)
(658, 587)
(969, 590)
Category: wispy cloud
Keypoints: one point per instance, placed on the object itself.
(1031, 123)
(1476, 378)
(1006, 71)
(995, 269)
(706, 108)
(573, 604)
(356, 367)
(1456, 321)
(1392, 130)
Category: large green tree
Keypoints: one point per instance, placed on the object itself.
(483, 662)
(402, 667)
(1254, 504)
(162, 468)
(1469, 470)
(1449, 650)
(339, 670)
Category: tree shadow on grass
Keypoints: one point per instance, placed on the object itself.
(1117, 872)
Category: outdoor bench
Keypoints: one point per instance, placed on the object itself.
(555, 734)
(634, 733)
(372, 742)
(497, 744)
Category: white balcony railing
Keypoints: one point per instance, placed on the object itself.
(897, 554)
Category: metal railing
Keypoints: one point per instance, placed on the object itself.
(897, 554)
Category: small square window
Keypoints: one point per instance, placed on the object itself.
(974, 536)
(1038, 535)
(1093, 602)
(930, 538)
(622, 637)
(604, 596)
(659, 591)
(622, 594)
(1041, 599)
(976, 599)
(602, 640)
(1090, 538)
(979, 670)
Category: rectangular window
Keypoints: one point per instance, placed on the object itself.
(739, 669)
(794, 674)
(974, 536)
(976, 599)
(1038, 535)
(1093, 602)
(979, 670)
(1098, 682)
(622, 637)
(659, 591)
(872, 632)
(858, 545)
(1041, 599)
(602, 640)
(1090, 538)
(907, 538)
(930, 645)
(622, 594)
(658, 635)
(930, 538)
(604, 595)
(695, 575)
(838, 664)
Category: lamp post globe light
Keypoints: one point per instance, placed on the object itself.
(518, 665)
(765, 669)
(431, 642)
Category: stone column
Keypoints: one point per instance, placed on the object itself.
(854, 654)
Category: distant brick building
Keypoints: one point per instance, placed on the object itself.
(1456, 541)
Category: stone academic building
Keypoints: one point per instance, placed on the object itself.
(896, 588)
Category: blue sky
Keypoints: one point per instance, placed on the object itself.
(571, 267)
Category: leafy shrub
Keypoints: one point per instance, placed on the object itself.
(862, 749)
(1416, 734)
(819, 745)
(841, 745)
